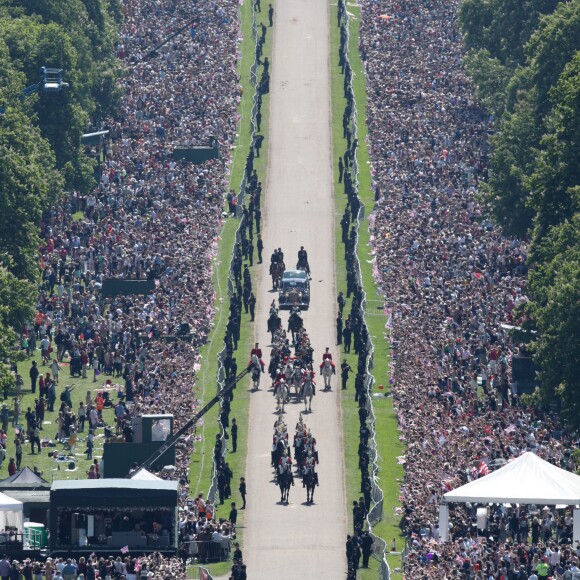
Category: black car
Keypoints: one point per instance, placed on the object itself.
(294, 289)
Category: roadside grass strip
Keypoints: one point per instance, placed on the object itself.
(389, 447)
(201, 466)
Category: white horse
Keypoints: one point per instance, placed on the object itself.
(256, 370)
(308, 393)
(297, 381)
(288, 372)
(327, 372)
(281, 393)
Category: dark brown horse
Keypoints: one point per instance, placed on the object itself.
(276, 271)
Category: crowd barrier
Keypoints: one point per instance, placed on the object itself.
(198, 573)
(375, 514)
(221, 374)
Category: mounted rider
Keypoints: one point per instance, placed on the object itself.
(278, 436)
(301, 426)
(303, 260)
(309, 467)
(308, 375)
(258, 352)
(277, 267)
(298, 371)
(274, 320)
(277, 256)
(279, 442)
(327, 356)
(303, 348)
(310, 444)
(273, 308)
(295, 321)
(280, 426)
(285, 463)
(280, 376)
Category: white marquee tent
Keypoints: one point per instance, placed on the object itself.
(525, 480)
(143, 474)
(10, 512)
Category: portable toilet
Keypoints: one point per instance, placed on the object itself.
(35, 536)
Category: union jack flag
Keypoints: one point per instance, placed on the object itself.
(124, 549)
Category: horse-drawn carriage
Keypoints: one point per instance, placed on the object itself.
(294, 288)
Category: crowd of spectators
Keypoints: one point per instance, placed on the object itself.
(126, 567)
(453, 283)
(150, 218)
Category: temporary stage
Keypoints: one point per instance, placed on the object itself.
(110, 514)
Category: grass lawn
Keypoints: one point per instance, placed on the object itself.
(201, 460)
(50, 468)
(389, 446)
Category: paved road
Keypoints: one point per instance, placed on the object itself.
(299, 541)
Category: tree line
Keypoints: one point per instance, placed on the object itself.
(524, 59)
(41, 154)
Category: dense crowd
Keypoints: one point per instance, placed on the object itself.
(453, 283)
(91, 567)
(150, 218)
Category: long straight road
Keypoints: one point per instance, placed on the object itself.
(298, 540)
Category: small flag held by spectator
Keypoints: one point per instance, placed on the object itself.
(483, 468)
(124, 550)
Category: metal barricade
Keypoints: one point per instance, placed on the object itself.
(376, 512)
(240, 200)
(198, 573)
(203, 552)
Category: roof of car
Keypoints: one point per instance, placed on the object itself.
(299, 274)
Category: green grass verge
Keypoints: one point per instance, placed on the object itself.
(389, 446)
(50, 469)
(201, 460)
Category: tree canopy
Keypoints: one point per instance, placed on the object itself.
(41, 155)
(525, 63)
(76, 36)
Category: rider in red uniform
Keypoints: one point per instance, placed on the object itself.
(327, 356)
(258, 352)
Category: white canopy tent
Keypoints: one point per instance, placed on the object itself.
(10, 513)
(525, 480)
(143, 474)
